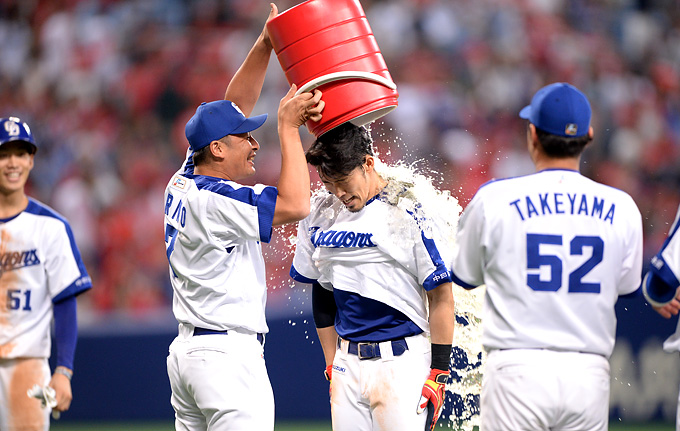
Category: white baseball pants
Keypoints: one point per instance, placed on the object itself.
(17, 410)
(219, 382)
(380, 394)
(537, 389)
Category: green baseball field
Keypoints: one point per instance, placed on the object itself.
(289, 426)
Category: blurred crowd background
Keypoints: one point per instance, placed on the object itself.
(108, 85)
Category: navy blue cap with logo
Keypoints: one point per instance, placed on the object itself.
(12, 129)
(559, 109)
(215, 120)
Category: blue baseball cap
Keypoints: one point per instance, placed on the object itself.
(559, 109)
(215, 120)
(12, 129)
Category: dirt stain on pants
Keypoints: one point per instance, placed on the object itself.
(25, 414)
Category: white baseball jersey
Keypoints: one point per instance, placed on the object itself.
(377, 260)
(40, 264)
(555, 250)
(213, 230)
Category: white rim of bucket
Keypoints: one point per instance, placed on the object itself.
(350, 74)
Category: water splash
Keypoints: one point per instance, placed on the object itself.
(437, 209)
(432, 208)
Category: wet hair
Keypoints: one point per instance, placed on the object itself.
(339, 151)
(560, 147)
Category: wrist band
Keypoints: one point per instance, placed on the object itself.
(64, 371)
(441, 356)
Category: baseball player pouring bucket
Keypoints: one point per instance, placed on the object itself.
(214, 227)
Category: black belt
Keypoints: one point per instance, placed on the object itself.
(365, 350)
(205, 331)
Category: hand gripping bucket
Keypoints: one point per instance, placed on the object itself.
(329, 44)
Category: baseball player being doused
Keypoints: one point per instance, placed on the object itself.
(41, 273)
(555, 251)
(374, 267)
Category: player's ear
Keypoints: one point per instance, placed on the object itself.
(532, 137)
(369, 163)
(217, 149)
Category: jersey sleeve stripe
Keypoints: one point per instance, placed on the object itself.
(299, 277)
(671, 235)
(265, 201)
(265, 211)
(441, 274)
(243, 194)
(78, 286)
(83, 282)
(661, 270)
(656, 290)
(461, 283)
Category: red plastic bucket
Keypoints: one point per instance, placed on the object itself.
(329, 44)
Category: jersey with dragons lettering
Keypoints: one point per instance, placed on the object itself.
(40, 265)
(555, 250)
(213, 230)
(379, 262)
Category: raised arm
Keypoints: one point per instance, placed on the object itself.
(292, 203)
(246, 84)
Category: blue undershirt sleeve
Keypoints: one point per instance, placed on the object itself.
(65, 331)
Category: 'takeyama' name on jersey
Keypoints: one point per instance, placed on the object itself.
(564, 203)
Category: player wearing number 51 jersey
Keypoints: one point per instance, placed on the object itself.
(41, 273)
(555, 251)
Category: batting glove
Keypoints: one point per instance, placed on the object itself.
(432, 397)
(47, 397)
(328, 373)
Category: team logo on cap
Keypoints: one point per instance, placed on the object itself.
(571, 129)
(12, 127)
